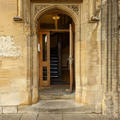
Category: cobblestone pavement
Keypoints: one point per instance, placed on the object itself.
(55, 116)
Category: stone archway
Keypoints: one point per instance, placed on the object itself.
(73, 12)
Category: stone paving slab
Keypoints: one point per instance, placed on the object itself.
(31, 116)
(10, 117)
(59, 106)
(53, 116)
(77, 116)
(0, 117)
(48, 116)
(1, 110)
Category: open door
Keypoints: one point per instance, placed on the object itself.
(44, 48)
(71, 58)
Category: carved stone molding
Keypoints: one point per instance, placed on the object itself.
(38, 8)
(75, 8)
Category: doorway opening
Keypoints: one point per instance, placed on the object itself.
(56, 53)
(59, 54)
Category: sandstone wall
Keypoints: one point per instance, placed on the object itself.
(91, 56)
(13, 59)
(13, 54)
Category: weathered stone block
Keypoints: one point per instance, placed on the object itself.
(10, 109)
(8, 47)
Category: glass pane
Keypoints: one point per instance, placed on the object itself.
(44, 73)
(44, 41)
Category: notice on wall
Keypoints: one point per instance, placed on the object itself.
(8, 47)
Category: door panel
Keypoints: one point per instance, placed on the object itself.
(44, 59)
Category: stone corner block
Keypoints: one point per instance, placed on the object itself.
(10, 109)
(1, 110)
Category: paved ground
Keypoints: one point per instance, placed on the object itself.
(54, 110)
(57, 106)
(56, 92)
(49, 116)
(59, 109)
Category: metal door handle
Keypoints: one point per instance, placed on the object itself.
(70, 59)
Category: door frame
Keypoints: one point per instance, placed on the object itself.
(77, 43)
(72, 69)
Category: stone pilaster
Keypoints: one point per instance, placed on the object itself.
(35, 65)
(111, 51)
(115, 58)
(27, 32)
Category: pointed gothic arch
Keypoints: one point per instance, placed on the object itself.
(69, 10)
